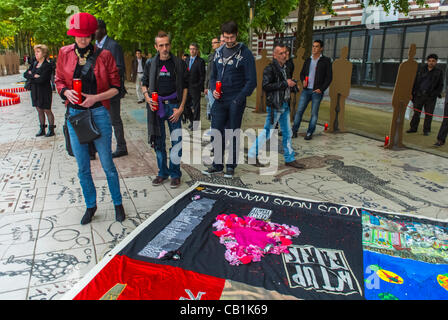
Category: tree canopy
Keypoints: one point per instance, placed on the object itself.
(134, 23)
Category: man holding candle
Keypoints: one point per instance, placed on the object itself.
(278, 87)
(234, 67)
(316, 76)
(167, 76)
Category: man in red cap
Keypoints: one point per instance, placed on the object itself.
(97, 70)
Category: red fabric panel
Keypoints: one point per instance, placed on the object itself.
(149, 281)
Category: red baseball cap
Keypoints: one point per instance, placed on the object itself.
(82, 24)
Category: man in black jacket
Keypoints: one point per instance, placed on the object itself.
(277, 86)
(196, 68)
(428, 85)
(103, 41)
(167, 75)
(138, 65)
(316, 76)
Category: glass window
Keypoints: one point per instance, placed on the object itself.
(357, 46)
(343, 39)
(329, 45)
(374, 45)
(415, 35)
(436, 45)
(392, 45)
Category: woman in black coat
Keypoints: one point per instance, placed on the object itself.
(39, 75)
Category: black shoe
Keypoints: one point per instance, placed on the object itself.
(229, 173)
(119, 213)
(140, 101)
(294, 135)
(211, 170)
(255, 162)
(50, 132)
(88, 215)
(118, 154)
(158, 181)
(295, 164)
(175, 183)
(411, 131)
(439, 143)
(41, 131)
(308, 136)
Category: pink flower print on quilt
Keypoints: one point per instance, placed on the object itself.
(248, 239)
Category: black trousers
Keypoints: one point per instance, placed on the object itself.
(117, 124)
(426, 104)
(193, 105)
(443, 131)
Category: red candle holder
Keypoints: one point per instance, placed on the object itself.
(326, 126)
(386, 141)
(155, 98)
(219, 87)
(77, 86)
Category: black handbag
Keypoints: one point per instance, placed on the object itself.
(84, 126)
(68, 145)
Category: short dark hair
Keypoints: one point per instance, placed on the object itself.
(432, 56)
(319, 42)
(162, 34)
(229, 27)
(194, 44)
(138, 50)
(101, 24)
(279, 44)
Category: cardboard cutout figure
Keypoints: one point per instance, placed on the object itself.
(2, 65)
(260, 64)
(298, 65)
(401, 97)
(8, 63)
(339, 91)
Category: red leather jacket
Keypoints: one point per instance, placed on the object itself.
(106, 71)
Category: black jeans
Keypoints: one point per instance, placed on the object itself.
(227, 114)
(443, 131)
(117, 124)
(426, 104)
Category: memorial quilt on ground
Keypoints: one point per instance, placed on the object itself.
(218, 242)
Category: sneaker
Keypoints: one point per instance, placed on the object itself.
(175, 183)
(308, 136)
(211, 170)
(229, 173)
(158, 181)
(295, 164)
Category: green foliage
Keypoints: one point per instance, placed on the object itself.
(134, 23)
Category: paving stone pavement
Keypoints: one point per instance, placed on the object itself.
(44, 250)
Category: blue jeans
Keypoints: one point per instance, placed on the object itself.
(282, 117)
(227, 114)
(160, 145)
(307, 96)
(103, 146)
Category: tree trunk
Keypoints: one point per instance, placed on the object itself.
(305, 22)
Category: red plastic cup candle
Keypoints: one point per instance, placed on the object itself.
(386, 141)
(155, 98)
(306, 81)
(77, 86)
(218, 87)
(326, 126)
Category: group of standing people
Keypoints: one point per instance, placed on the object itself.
(179, 85)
